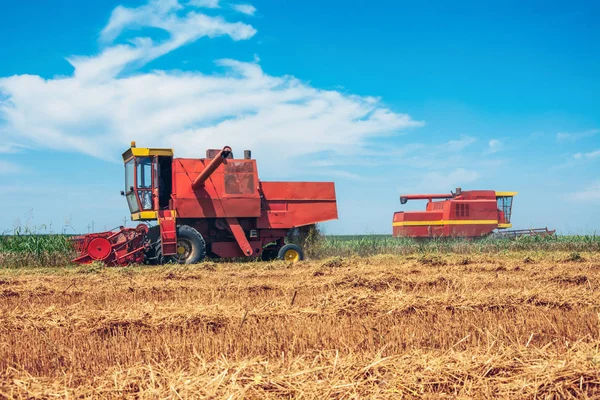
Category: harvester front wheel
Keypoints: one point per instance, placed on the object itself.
(191, 247)
(291, 253)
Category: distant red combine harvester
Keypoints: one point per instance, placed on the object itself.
(472, 213)
(214, 206)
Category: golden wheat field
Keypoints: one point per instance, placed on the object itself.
(518, 325)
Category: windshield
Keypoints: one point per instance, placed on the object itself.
(129, 183)
(505, 206)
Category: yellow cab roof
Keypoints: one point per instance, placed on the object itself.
(134, 151)
(506, 194)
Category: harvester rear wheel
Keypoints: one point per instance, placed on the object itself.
(291, 253)
(191, 247)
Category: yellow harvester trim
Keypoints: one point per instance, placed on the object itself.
(453, 222)
(144, 215)
(149, 215)
(146, 152)
(504, 226)
(506, 194)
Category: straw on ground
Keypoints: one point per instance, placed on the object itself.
(518, 325)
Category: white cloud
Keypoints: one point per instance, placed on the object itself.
(342, 174)
(494, 146)
(10, 148)
(323, 163)
(563, 136)
(442, 182)
(9, 168)
(593, 154)
(247, 9)
(591, 193)
(460, 144)
(141, 50)
(572, 136)
(104, 106)
(459, 177)
(588, 155)
(156, 12)
(205, 3)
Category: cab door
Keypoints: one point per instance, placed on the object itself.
(144, 175)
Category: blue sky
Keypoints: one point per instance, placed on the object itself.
(383, 97)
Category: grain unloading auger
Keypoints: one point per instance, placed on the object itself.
(215, 206)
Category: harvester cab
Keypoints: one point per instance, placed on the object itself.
(148, 181)
(504, 202)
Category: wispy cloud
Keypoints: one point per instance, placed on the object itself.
(455, 178)
(11, 148)
(459, 144)
(163, 15)
(590, 193)
(9, 168)
(494, 146)
(342, 174)
(205, 3)
(247, 9)
(588, 155)
(573, 136)
(108, 101)
(438, 181)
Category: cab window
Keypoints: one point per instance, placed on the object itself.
(144, 173)
(129, 187)
(505, 206)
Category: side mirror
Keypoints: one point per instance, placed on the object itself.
(122, 193)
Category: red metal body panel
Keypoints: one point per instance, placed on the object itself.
(231, 191)
(466, 214)
(231, 249)
(291, 204)
(168, 233)
(240, 236)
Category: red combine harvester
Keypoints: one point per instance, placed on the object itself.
(472, 213)
(214, 207)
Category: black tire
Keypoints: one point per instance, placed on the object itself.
(291, 253)
(152, 253)
(192, 242)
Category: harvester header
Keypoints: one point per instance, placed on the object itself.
(214, 206)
